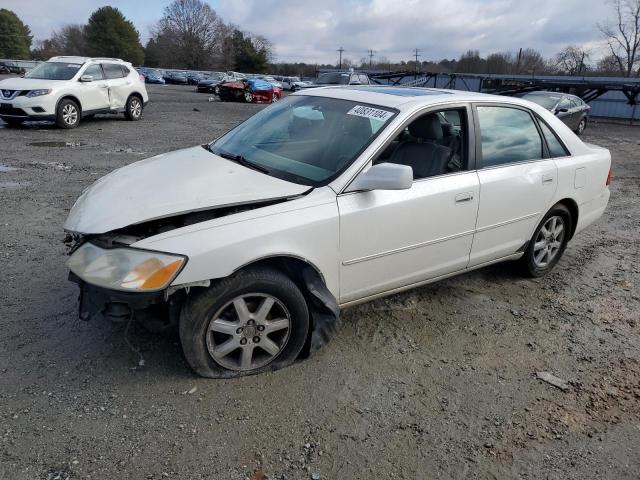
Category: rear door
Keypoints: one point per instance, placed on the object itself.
(517, 182)
(119, 84)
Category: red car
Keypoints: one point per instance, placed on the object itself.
(249, 90)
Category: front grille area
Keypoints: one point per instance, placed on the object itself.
(18, 112)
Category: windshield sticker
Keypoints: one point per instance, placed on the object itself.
(368, 112)
(73, 65)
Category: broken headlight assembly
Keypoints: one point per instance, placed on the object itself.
(126, 269)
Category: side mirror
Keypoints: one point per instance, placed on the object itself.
(86, 78)
(561, 110)
(384, 176)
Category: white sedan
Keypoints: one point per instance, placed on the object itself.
(335, 196)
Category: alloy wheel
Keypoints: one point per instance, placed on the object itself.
(135, 108)
(581, 126)
(248, 332)
(70, 114)
(248, 96)
(549, 241)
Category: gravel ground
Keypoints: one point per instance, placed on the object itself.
(438, 382)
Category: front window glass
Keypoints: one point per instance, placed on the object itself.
(334, 78)
(305, 139)
(546, 101)
(54, 71)
(95, 71)
(508, 135)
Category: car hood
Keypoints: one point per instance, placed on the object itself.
(170, 184)
(20, 83)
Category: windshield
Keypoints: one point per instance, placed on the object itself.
(334, 78)
(305, 139)
(546, 101)
(54, 71)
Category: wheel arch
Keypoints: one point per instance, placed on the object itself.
(572, 206)
(70, 96)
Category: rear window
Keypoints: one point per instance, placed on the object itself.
(556, 148)
(112, 70)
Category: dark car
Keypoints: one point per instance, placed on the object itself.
(570, 109)
(339, 78)
(11, 67)
(176, 78)
(153, 76)
(249, 90)
(209, 84)
(194, 78)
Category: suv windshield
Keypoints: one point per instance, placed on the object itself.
(546, 101)
(304, 139)
(54, 71)
(334, 78)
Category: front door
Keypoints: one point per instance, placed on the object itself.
(392, 239)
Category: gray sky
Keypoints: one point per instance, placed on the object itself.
(311, 31)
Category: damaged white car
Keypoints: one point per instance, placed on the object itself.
(251, 244)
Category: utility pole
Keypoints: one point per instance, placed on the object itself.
(519, 60)
(340, 50)
(371, 53)
(416, 53)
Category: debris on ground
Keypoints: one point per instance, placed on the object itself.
(553, 380)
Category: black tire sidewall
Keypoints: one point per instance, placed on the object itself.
(127, 111)
(199, 309)
(60, 120)
(528, 262)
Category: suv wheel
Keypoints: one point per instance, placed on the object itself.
(254, 321)
(133, 109)
(68, 114)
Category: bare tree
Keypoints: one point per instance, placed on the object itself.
(571, 60)
(69, 40)
(500, 62)
(530, 61)
(623, 34)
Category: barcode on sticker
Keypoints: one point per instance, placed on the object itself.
(369, 112)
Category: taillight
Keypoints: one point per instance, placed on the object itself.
(141, 78)
(609, 177)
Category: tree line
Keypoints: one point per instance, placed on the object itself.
(191, 35)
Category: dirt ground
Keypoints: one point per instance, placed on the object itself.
(438, 382)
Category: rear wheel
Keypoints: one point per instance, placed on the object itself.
(254, 321)
(248, 97)
(68, 114)
(548, 242)
(133, 109)
(274, 98)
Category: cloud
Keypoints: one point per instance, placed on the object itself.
(313, 31)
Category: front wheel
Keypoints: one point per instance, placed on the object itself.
(275, 98)
(581, 126)
(133, 109)
(248, 97)
(255, 321)
(68, 114)
(548, 242)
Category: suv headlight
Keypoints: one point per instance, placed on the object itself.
(126, 269)
(39, 93)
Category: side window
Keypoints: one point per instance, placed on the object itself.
(364, 79)
(433, 144)
(508, 135)
(556, 148)
(112, 70)
(564, 103)
(95, 71)
(125, 70)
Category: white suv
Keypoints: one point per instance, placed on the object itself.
(67, 89)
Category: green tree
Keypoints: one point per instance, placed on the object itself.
(251, 55)
(15, 36)
(110, 34)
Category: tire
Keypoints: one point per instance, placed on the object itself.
(534, 262)
(133, 108)
(274, 98)
(68, 114)
(581, 126)
(248, 97)
(215, 337)
(13, 122)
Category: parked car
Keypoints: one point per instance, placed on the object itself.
(68, 89)
(249, 90)
(570, 109)
(153, 76)
(271, 80)
(11, 67)
(293, 83)
(208, 84)
(339, 78)
(176, 78)
(252, 243)
(194, 78)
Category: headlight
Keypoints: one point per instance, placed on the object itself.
(125, 269)
(39, 93)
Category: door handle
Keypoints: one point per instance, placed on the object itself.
(547, 179)
(464, 197)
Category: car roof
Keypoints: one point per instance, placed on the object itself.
(81, 60)
(405, 97)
